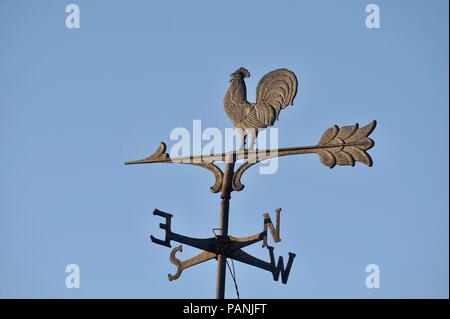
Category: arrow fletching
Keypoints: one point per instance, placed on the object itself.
(346, 145)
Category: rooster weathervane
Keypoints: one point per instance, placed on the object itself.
(275, 91)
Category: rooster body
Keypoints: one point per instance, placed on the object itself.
(275, 91)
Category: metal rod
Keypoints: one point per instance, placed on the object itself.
(224, 215)
(245, 154)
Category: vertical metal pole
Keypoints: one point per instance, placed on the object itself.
(224, 214)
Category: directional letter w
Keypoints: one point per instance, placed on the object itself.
(279, 268)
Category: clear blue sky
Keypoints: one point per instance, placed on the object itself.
(75, 104)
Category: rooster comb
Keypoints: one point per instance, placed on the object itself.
(245, 73)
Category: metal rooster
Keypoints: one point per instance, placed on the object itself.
(275, 91)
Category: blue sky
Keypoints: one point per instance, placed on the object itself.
(76, 103)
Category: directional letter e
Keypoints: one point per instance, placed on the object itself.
(73, 19)
(73, 278)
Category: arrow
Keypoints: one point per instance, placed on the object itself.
(337, 146)
(337, 141)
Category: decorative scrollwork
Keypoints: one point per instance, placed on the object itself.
(237, 185)
(160, 156)
(218, 174)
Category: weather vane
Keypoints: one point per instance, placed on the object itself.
(275, 91)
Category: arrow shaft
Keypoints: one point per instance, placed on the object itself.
(243, 154)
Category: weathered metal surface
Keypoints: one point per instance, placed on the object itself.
(225, 246)
(346, 145)
(160, 156)
(182, 265)
(225, 195)
(337, 146)
(275, 91)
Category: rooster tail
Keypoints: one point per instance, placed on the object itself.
(277, 88)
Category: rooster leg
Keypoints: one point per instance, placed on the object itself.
(257, 132)
(241, 134)
(251, 133)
